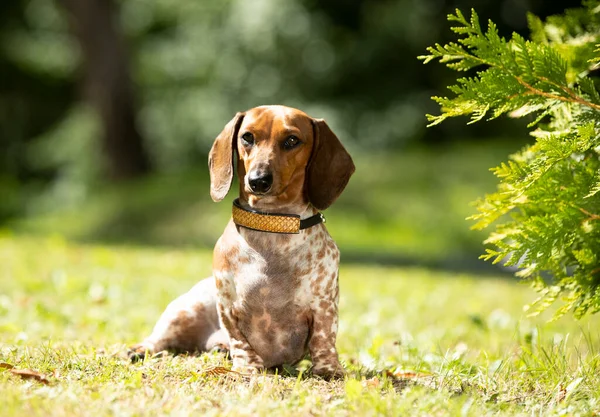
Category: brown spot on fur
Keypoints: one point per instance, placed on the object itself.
(188, 329)
(314, 287)
(302, 271)
(322, 252)
(317, 340)
(263, 324)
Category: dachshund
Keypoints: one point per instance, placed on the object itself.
(273, 296)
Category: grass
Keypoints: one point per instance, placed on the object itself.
(414, 342)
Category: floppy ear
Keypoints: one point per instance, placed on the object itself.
(220, 159)
(329, 169)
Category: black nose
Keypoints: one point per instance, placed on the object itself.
(260, 183)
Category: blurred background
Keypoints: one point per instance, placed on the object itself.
(108, 109)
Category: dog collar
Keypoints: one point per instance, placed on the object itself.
(272, 222)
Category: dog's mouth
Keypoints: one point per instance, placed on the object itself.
(264, 200)
(258, 194)
(273, 191)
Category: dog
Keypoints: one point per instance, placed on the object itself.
(273, 296)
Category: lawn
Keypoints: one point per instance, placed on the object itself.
(414, 342)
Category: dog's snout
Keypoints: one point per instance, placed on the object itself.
(260, 182)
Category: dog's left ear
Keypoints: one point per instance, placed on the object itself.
(329, 169)
(220, 159)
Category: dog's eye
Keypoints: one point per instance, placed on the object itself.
(291, 142)
(248, 139)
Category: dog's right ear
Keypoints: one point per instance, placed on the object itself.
(220, 159)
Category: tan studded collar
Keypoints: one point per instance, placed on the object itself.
(272, 222)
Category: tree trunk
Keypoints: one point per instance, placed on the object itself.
(107, 84)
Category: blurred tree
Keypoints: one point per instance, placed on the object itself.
(107, 84)
(31, 102)
(194, 64)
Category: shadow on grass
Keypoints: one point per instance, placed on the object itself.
(465, 263)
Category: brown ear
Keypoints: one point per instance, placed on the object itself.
(330, 167)
(220, 159)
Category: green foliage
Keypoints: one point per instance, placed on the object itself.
(195, 64)
(546, 210)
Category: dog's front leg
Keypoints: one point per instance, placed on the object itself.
(242, 354)
(226, 266)
(244, 358)
(322, 340)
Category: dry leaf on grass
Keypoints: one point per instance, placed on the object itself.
(405, 375)
(371, 382)
(221, 371)
(218, 370)
(29, 374)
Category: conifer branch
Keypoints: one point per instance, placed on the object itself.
(540, 224)
(591, 216)
(573, 98)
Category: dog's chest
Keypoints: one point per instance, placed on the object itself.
(270, 285)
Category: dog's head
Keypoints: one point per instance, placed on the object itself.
(285, 158)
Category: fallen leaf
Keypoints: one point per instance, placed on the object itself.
(371, 382)
(4, 365)
(219, 370)
(405, 374)
(29, 374)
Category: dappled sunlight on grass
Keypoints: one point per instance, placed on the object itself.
(412, 340)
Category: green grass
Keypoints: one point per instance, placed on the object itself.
(69, 311)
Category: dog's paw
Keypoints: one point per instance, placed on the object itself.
(329, 372)
(139, 352)
(248, 369)
(220, 348)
